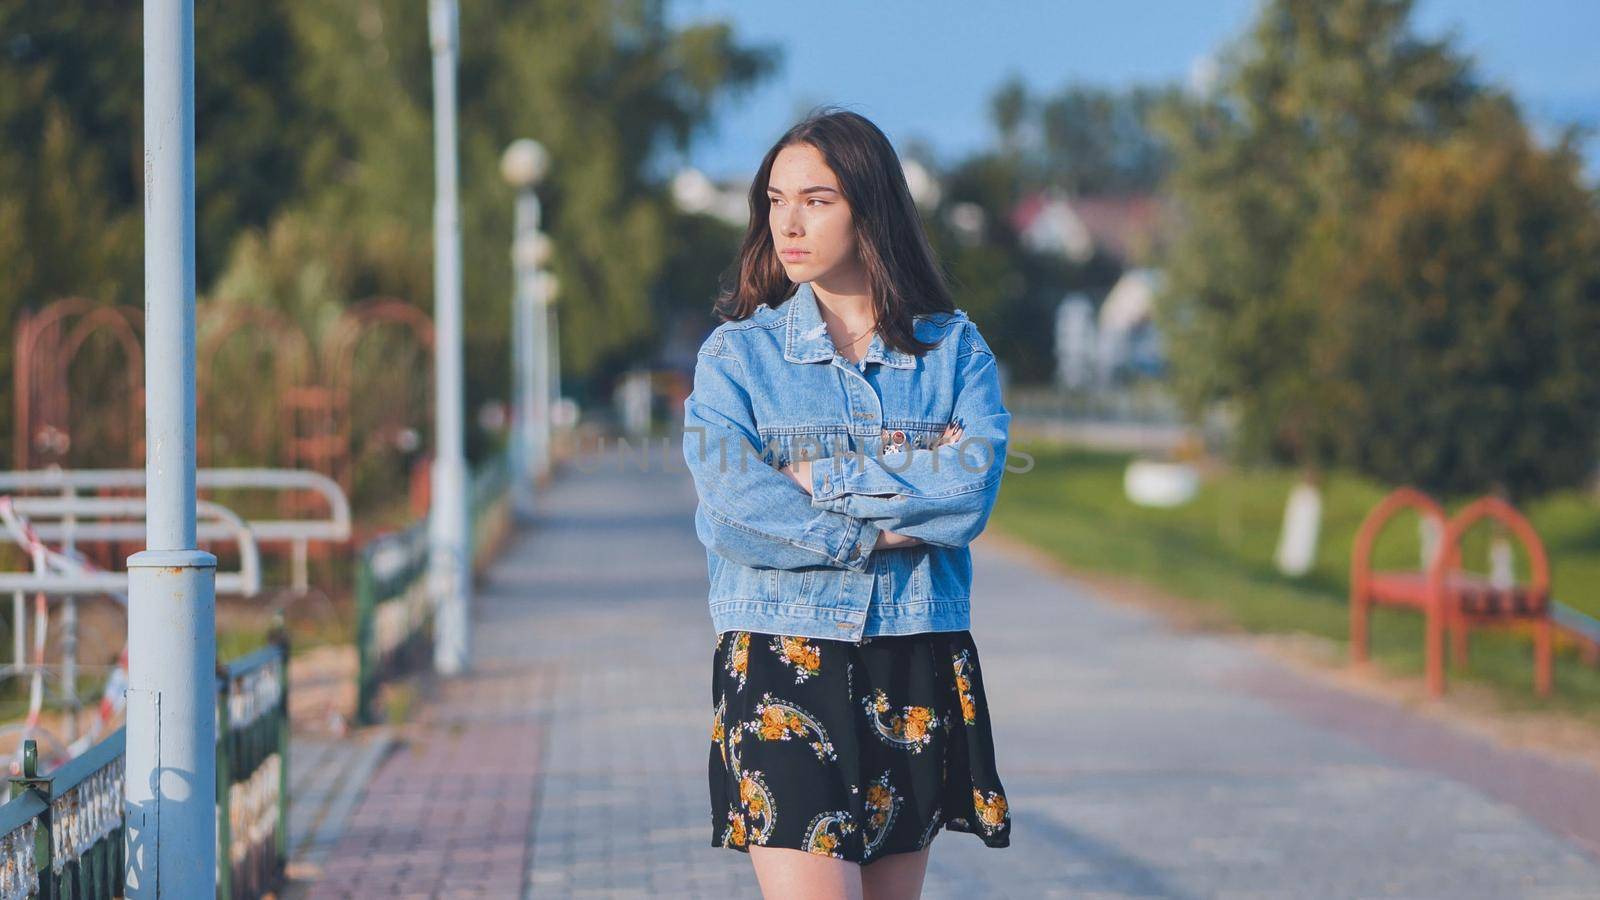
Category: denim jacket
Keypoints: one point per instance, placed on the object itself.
(771, 390)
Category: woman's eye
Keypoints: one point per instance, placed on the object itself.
(816, 200)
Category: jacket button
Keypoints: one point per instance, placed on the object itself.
(855, 552)
(899, 437)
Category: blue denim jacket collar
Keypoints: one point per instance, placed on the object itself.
(806, 335)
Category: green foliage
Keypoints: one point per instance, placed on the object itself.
(1377, 265)
(605, 88)
(1100, 141)
(1310, 110)
(1082, 139)
(314, 157)
(700, 254)
(1009, 109)
(71, 159)
(1467, 318)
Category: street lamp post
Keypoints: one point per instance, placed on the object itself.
(545, 367)
(555, 353)
(170, 784)
(449, 562)
(523, 166)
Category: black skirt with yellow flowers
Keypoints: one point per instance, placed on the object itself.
(851, 749)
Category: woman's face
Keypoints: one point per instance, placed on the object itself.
(812, 230)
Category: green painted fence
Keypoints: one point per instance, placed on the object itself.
(394, 610)
(62, 833)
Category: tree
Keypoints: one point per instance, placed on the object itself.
(1311, 109)
(1097, 140)
(605, 87)
(71, 161)
(314, 156)
(1466, 323)
(1009, 108)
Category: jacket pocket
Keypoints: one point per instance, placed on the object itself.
(913, 434)
(739, 582)
(782, 447)
(795, 585)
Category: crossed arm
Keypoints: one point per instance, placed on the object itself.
(751, 513)
(800, 473)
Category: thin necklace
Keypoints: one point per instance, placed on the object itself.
(869, 331)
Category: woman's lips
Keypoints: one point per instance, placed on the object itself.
(794, 254)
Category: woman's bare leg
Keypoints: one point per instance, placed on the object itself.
(897, 876)
(788, 874)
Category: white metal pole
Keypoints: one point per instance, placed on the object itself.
(524, 269)
(171, 785)
(19, 616)
(539, 402)
(449, 553)
(555, 370)
(523, 165)
(69, 629)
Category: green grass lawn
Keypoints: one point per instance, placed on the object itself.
(1216, 552)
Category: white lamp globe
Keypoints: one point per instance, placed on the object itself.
(524, 163)
(549, 286)
(531, 250)
(692, 191)
(925, 190)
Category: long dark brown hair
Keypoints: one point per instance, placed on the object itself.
(900, 265)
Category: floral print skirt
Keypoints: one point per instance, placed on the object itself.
(854, 750)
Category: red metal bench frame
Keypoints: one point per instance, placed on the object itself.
(1450, 599)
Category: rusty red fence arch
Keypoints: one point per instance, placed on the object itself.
(313, 383)
(47, 344)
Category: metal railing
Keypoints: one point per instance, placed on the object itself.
(85, 519)
(253, 770)
(62, 834)
(490, 509)
(48, 506)
(394, 609)
(62, 576)
(297, 533)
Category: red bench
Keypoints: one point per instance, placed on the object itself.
(1451, 599)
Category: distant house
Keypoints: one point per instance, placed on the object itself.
(1098, 348)
(1128, 343)
(1121, 226)
(695, 193)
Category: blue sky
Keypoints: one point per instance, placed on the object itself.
(925, 70)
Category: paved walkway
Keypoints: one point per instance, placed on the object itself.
(1139, 761)
(449, 810)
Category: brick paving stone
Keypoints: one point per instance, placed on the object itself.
(449, 812)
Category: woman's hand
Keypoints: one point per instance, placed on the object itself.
(952, 433)
(888, 540)
(800, 470)
(799, 473)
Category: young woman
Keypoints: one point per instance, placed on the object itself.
(847, 438)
